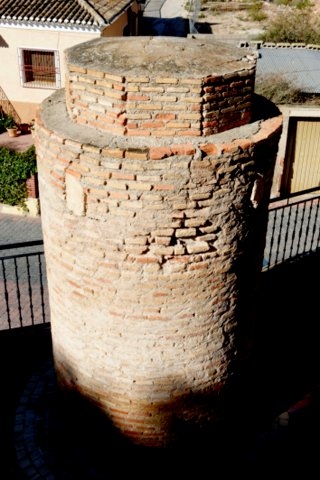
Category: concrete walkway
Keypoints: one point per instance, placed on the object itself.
(173, 8)
(19, 228)
(165, 8)
(153, 8)
(165, 18)
(19, 143)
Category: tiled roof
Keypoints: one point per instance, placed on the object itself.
(62, 12)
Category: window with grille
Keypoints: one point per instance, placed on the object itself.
(39, 68)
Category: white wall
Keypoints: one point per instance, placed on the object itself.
(25, 99)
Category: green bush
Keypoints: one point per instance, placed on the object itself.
(300, 4)
(277, 89)
(15, 169)
(280, 91)
(6, 121)
(293, 26)
(256, 12)
(2, 125)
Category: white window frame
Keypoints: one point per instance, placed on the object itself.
(35, 84)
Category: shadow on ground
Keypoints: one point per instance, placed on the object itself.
(288, 330)
(22, 351)
(284, 371)
(172, 27)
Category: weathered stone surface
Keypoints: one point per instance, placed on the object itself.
(169, 56)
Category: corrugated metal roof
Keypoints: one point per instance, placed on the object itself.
(298, 65)
(62, 12)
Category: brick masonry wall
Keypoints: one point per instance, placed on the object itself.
(151, 248)
(32, 186)
(158, 103)
(160, 106)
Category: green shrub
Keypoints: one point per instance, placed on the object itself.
(2, 124)
(293, 26)
(300, 4)
(6, 121)
(15, 169)
(256, 12)
(280, 91)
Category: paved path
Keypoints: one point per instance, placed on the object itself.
(173, 8)
(19, 228)
(153, 8)
(19, 143)
(23, 284)
(166, 18)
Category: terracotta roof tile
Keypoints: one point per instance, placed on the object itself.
(110, 9)
(76, 12)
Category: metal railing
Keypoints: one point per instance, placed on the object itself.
(193, 7)
(293, 227)
(23, 285)
(293, 231)
(6, 107)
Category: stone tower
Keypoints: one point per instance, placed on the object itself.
(154, 175)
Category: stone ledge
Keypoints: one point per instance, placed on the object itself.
(32, 210)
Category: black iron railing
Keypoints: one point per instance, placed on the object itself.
(23, 285)
(293, 231)
(293, 227)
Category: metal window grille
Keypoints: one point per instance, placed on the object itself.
(40, 69)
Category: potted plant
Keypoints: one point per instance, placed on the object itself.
(11, 126)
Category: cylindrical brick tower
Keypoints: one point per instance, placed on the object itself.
(154, 178)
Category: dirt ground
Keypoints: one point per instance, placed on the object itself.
(234, 23)
(231, 20)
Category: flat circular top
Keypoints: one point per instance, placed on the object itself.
(193, 56)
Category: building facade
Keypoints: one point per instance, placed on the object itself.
(34, 35)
